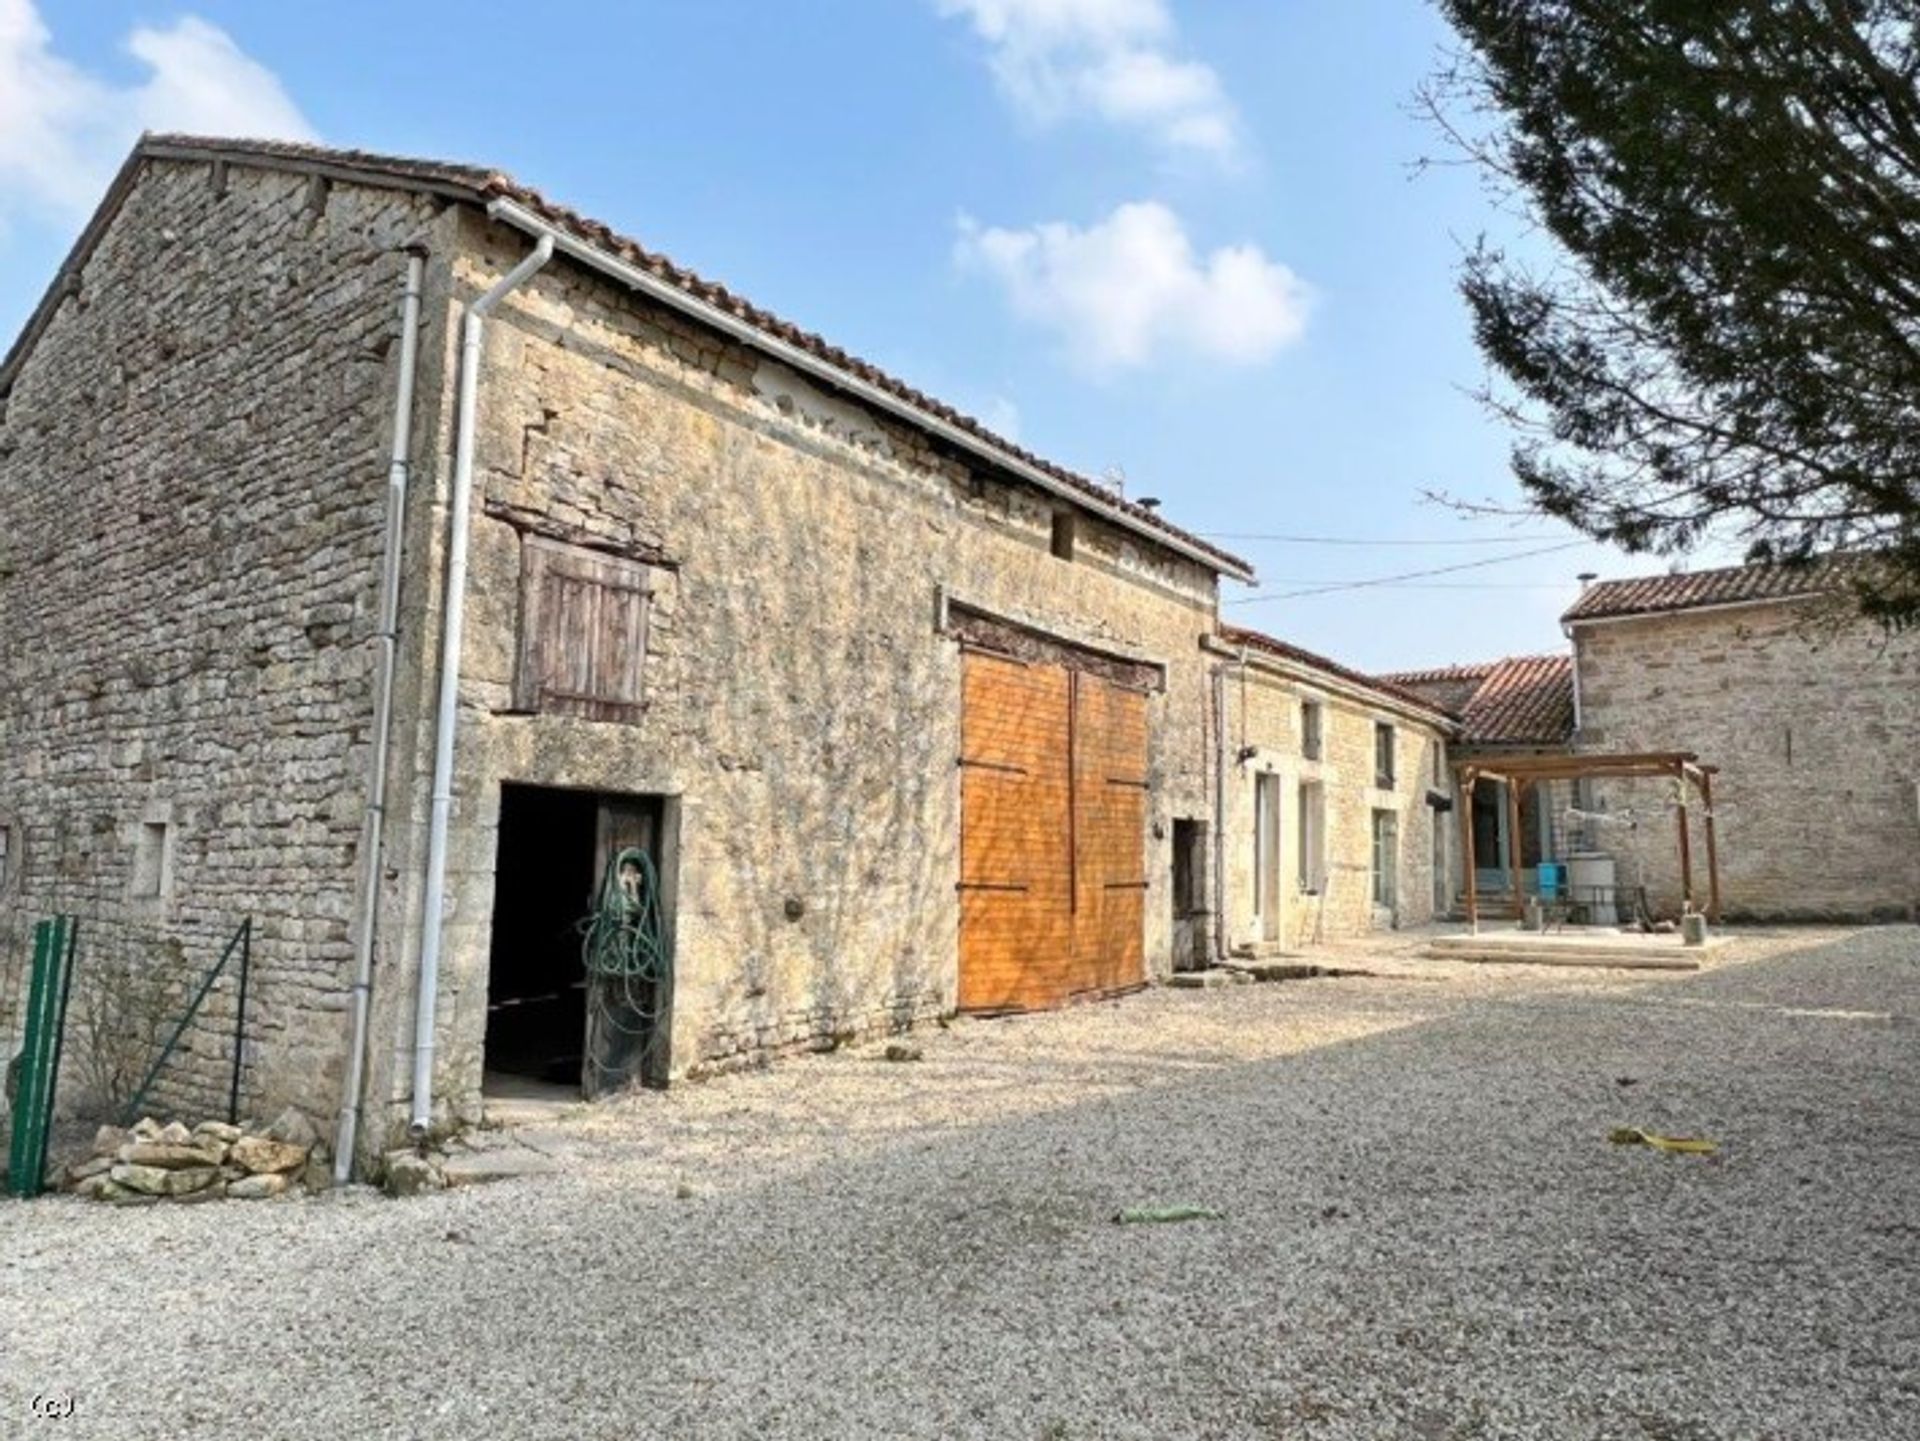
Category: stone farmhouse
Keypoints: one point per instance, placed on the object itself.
(410, 564)
(1809, 716)
(1340, 780)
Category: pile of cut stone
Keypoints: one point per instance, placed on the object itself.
(149, 1162)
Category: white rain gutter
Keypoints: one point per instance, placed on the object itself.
(453, 629)
(521, 218)
(373, 828)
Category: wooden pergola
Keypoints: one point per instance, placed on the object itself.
(1519, 772)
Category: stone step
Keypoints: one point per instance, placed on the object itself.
(474, 1168)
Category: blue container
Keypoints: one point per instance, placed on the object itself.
(1553, 877)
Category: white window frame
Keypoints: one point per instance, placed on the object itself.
(1390, 778)
(1310, 800)
(1386, 867)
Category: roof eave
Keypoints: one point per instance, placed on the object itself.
(1300, 669)
(522, 217)
(475, 186)
(1570, 620)
(65, 278)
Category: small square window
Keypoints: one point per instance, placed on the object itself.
(1312, 721)
(152, 859)
(1383, 758)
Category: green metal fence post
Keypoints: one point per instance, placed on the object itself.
(20, 1139)
(243, 936)
(40, 1060)
(240, 1020)
(57, 1040)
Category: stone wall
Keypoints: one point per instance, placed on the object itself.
(1264, 718)
(801, 702)
(191, 480)
(1816, 728)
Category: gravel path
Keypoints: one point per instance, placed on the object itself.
(1426, 1235)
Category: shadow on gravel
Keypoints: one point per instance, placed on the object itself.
(1425, 1233)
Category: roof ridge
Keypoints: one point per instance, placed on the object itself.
(1300, 653)
(1551, 656)
(479, 184)
(1755, 581)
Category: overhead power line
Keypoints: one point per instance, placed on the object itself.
(1474, 585)
(1355, 540)
(1328, 587)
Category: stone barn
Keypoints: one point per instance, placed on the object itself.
(404, 562)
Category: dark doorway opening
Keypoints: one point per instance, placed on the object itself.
(1490, 836)
(551, 1019)
(1189, 896)
(536, 981)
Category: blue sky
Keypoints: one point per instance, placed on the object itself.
(1177, 240)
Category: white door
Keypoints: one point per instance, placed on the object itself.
(1266, 855)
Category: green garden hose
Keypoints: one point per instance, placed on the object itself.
(629, 968)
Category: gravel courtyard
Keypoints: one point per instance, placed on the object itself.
(1425, 1234)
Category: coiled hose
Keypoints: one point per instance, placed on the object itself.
(629, 974)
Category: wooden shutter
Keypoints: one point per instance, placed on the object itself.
(583, 632)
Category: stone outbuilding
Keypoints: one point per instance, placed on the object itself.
(582, 676)
(1805, 717)
(1810, 714)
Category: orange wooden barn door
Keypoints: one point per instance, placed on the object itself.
(1053, 834)
(1015, 922)
(1109, 824)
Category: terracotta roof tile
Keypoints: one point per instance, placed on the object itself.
(1646, 595)
(1526, 700)
(1522, 700)
(480, 184)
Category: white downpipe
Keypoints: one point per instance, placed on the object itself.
(1573, 649)
(433, 921)
(1222, 947)
(346, 1133)
(1220, 811)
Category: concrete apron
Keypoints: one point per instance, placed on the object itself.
(1604, 950)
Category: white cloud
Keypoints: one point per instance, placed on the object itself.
(1110, 59)
(63, 130)
(1124, 291)
(204, 84)
(1001, 416)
